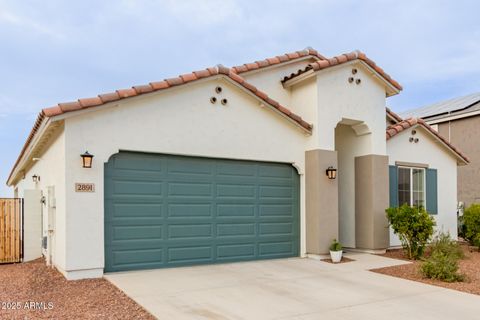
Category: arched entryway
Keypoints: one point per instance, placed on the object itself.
(352, 139)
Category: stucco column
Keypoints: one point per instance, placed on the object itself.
(321, 201)
(371, 200)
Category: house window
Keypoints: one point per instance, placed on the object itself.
(411, 186)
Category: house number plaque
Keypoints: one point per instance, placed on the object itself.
(84, 187)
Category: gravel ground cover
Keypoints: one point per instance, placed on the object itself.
(470, 267)
(32, 290)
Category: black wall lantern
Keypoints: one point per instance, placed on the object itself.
(87, 159)
(35, 178)
(331, 173)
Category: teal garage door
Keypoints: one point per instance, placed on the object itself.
(165, 211)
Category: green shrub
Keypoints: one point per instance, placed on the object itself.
(335, 246)
(476, 241)
(441, 266)
(443, 243)
(414, 227)
(443, 261)
(471, 224)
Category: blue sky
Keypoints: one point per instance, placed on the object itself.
(54, 51)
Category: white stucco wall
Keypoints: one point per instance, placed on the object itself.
(179, 121)
(269, 80)
(51, 169)
(32, 225)
(428, 151)
(338, 99)
(304, 103)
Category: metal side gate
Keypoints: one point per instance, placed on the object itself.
(11, 230)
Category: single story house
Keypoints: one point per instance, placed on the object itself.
(269, 159)
(458, 120)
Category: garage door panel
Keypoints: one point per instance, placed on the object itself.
(134, 222)
(137, 210)
(139, 163)
(277, 228)
(271, 249)
(276, 171)
(233, 210)
(138, 257)
(235, 191)
(236, 251)
(236, 229)
(190, 231)
(190, 254)
(189, 210)
(277, 192)
(132, 188)
(190, 167)
(225, 170)
(190, 189)
(137, 232)
(183, 211)
(275, 210)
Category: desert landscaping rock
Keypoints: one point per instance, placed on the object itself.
(54, 297)
(470, 267)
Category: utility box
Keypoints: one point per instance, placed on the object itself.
(44, 243)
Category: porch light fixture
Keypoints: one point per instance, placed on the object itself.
(35, 178)
(87, 159)
(331, 173)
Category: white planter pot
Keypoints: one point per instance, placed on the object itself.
(336, 256)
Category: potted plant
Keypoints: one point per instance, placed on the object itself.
(336, 251)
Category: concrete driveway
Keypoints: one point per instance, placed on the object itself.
(292, 289)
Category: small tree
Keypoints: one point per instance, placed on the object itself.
(414, 227)
(471, 224)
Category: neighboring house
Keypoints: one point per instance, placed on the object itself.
(231, 164)
(458, 120)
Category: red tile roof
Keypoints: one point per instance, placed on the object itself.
(31, 135)
(232, 74)
(86, 103)
(394, 115)
(343, 58)
(277, 60)
(395, 129)
(102, 99)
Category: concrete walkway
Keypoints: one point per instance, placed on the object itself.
(292, 289)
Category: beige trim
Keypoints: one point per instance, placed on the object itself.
(371, 200)
(321, 196)
(411, 164)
